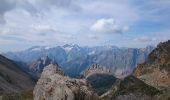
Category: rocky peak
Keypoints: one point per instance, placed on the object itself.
(156, 71)
(39, 64)
(52, 69)
(53, 85)
(45, 59)
(96, 68)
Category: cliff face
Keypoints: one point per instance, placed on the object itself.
(100, 77)
(53, 85)
(156, 70)
(96, 69)
(38, 65)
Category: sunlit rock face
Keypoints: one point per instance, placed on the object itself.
(100, 77)
(96, 69)
(54, 85)
(156, 70)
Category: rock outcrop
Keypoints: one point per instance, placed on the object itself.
(156, 70)
(53, 85)
(100, 78)
(38, 65)
(96, 69)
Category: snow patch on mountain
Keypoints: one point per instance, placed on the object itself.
(36, 49)
(68, 49)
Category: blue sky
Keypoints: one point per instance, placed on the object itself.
(124, 23)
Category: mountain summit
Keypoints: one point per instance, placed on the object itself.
(95, 69)
(38, 65)
(156, 70)
(54, 85)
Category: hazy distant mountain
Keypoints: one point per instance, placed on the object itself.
(38, 65)
(12, 78)
(76, 59)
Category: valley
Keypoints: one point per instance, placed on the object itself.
(84, 49)
(94, 82)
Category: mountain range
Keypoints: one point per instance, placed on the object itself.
(75, 59)
(150, 80)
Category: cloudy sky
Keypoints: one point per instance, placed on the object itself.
(124, 23)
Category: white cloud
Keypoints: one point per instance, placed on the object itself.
(36, 7)
(46, 22)
(107, 26)
(90, 36)
(5, 5)
(145, 39)
(41, 28)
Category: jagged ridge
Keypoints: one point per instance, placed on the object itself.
(53, 85)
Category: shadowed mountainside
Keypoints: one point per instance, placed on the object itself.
(14, 82)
